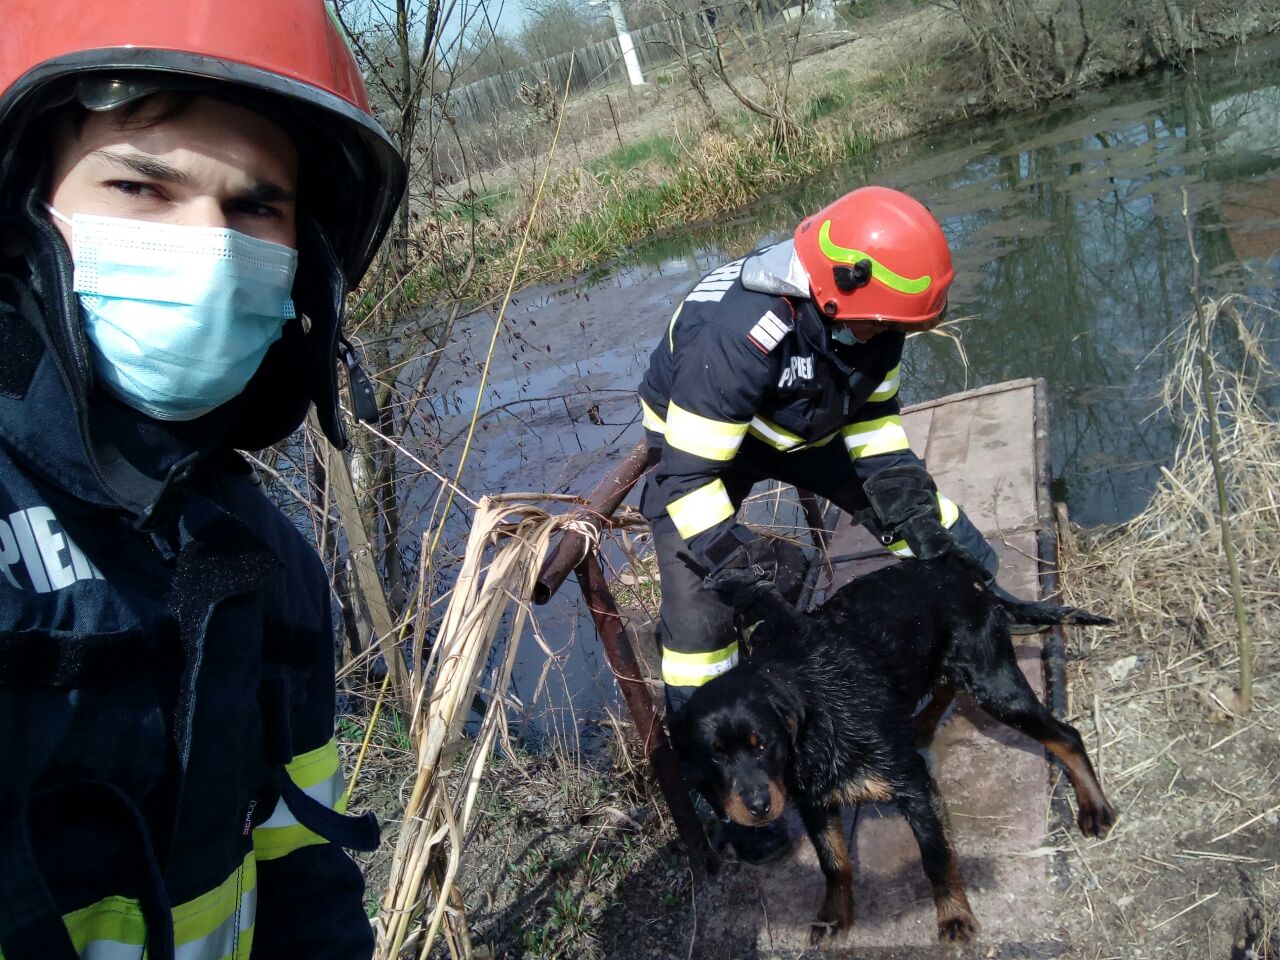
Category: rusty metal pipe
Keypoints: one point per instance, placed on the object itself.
(601, 503)
(644, 714)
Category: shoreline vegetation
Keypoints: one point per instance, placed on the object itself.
(567, 858)
(570, 855)
(689, 165)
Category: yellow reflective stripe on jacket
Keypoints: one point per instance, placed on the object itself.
(700, 510)
(702, 436)
(950, 514)
(318, 774)
(217, 925)
(888, 389)
(650, 419)
(766, 431)
(774, 435)
(870, 437)
(695, 669)
(671, 328)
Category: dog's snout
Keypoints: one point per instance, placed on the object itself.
(757, 803)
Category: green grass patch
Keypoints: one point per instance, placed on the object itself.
(661, 148)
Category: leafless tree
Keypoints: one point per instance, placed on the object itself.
(1028, 51)
(734, 43)
(552, 27)
(409, 52)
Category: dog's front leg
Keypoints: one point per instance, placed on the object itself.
(826, 831)
(918, 797)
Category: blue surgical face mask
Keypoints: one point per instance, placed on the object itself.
(179, 317)
(842, 334)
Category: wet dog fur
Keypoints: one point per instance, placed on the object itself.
(821, 714)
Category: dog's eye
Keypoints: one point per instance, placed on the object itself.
(760, 745)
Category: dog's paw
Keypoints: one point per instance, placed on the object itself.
(959, 929)
(1096, 820)
(821, 930)
(956, 922)
(834, 921)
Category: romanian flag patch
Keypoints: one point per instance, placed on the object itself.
(768, 332)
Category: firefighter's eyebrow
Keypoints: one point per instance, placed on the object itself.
(264, 191)
(143, 165)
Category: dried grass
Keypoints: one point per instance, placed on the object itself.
(492, 590)
(1165, 569)
(1190, 864)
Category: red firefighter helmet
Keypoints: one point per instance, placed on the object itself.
(285, 56)
(876, 254)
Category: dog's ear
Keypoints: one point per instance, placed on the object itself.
(787, 704)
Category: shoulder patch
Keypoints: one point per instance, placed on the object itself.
(768, 332)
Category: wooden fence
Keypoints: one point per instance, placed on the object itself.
(593, 65)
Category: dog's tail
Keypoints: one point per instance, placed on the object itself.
(1041, 613)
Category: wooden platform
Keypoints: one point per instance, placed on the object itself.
(981, 447)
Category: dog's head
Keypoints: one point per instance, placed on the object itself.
(735, 737)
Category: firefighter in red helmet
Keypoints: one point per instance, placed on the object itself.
(785, 365)
(187, 191)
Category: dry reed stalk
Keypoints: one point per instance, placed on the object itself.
(1204, 330)
(1164, 573)
(439, 810)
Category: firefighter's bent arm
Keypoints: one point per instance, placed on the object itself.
(885, 465)
(717, 384)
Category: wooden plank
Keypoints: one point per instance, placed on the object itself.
(982, 455)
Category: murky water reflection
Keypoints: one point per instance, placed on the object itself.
(1072, 264)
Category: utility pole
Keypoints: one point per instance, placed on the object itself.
(624, 41)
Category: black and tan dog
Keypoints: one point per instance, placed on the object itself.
(822, 713)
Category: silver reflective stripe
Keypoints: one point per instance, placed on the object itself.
(327, 792)
(221, 942)
(214, 946)
(110, 950)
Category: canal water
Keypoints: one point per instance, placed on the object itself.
(1072, 259)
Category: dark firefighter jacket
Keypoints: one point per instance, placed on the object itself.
(166, 693)
(744, 379)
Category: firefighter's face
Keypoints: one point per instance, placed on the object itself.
(201, 162)
(864, 330)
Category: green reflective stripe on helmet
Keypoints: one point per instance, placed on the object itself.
(879, 271)
(217, 925)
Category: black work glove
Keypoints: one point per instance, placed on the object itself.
(744, 572)
(905, 500)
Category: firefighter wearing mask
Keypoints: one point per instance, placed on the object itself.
(187, 191)
(785, 365)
